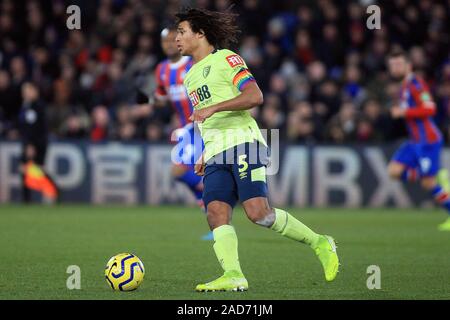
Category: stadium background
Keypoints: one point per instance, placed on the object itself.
(320, 68)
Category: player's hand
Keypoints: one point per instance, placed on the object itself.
(397, 112)
(199, 168)
(202, 114)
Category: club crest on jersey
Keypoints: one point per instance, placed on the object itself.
(235, 60)
(194, 98)
(206, 71)
(425, 96)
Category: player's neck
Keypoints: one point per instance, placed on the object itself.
(175, 59)
(202, 52)
(408, 76)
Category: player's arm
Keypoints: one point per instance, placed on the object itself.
(425, 107)
(251, 96)
(160, 96)
(145, 106)
(425, 104)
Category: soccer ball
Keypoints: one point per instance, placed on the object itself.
(124, 272)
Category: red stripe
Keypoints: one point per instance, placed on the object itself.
(167, 76)
(158, 72)
(415, 93)
(412, 175)
(178, 77)
(185, 104)
(187, 109)
(442, 197)
(414, 129)
(430, 131)
(423, 84)
(160, 89)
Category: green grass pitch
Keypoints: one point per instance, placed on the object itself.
(38, 243)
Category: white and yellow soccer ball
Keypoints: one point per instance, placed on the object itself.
(124, 272)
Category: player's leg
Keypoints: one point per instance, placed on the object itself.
(441, 197)
(259, 212)
(404, 164)
(250, 178)
(186, 152)
(190, 146)
(220, 198)
(185, 174)
(400, 171)
(443, 179)
(429, 166)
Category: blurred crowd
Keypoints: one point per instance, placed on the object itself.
(321, 69)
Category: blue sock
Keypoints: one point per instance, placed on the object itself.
(441, 197)
(193, 181)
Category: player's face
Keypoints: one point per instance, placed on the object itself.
(398, 68)
(186, 39)
(169, 45)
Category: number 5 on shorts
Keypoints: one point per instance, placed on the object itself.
(243, 166)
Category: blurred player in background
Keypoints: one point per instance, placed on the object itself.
(169, 76)
(419, 158)
(222, 90)
(34, 135)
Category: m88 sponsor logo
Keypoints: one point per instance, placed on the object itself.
(199, 95)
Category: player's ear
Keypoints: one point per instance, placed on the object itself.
(201, 33)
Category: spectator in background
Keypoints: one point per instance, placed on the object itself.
(330, 48)
(272, 115)
(315, 51)
(76, 125)
(342, 128)
(372, 123)
(154, 132)
(329, 96)
(60, 108)
(9, 105)
(304, 52)
(304, 125)
(353, 89)
(100, 130)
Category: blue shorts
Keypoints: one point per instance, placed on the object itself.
(425, 157)
(189, 146)
(238, 173)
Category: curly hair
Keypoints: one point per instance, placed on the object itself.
(220, 28)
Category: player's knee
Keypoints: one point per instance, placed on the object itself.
(177, 171)
(217, 215)
(212, 219)
(260, 215)
(395, 171)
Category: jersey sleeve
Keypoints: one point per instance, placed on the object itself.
(160, 92)
(425, 106)
(236, 70)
